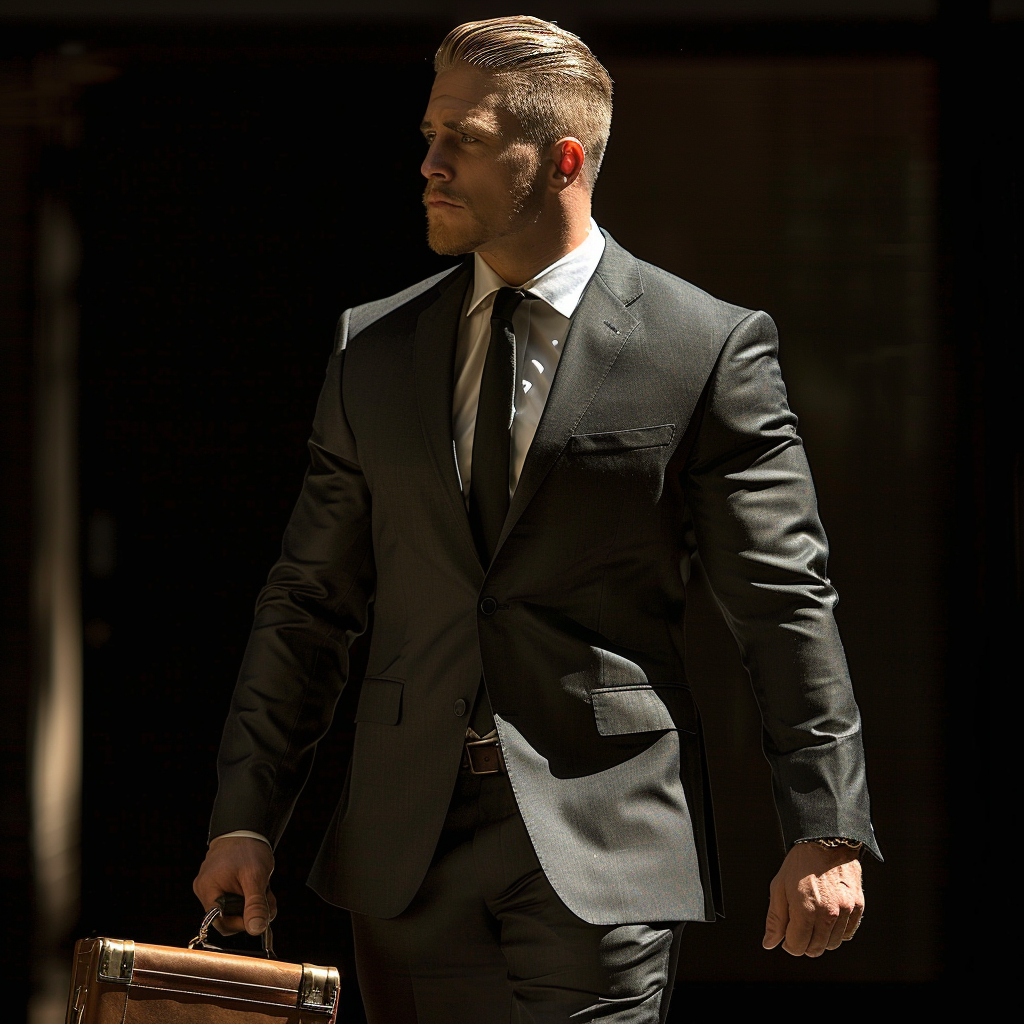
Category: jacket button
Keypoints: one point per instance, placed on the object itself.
(460, 708)
(488, 606)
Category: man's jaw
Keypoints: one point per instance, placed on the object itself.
(446, 242)
(452, 230)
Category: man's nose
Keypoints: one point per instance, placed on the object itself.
(435, 166)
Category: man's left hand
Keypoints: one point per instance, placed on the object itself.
(816, 900)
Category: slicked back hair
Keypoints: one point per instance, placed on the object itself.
(552, 82)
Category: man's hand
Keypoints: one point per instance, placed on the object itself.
(243, 865)
(816, 900)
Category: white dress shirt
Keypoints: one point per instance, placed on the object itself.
(543, 320)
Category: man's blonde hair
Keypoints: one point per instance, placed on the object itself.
(552, 82)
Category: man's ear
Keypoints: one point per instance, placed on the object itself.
(568, 157)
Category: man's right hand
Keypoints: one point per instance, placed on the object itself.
(243, 865)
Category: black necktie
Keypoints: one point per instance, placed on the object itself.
(488, 490)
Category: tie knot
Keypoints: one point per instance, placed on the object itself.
(506, 301)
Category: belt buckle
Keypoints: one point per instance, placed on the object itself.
(484, 757)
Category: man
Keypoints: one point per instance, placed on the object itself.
(514, 462)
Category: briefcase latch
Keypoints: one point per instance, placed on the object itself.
(117, 960)
(318, 989)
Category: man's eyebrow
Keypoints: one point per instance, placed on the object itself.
(467, 126)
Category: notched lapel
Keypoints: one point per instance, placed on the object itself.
(600, 327)
(434, 359)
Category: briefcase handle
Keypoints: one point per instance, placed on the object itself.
(230, 904)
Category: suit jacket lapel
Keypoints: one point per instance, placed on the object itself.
(600, 327)
(434, 360)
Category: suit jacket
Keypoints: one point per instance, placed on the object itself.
(667, 426)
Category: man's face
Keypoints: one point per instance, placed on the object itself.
(483, 179)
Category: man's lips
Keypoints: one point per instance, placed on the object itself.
(436, 199)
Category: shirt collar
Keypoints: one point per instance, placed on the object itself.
(561, 285)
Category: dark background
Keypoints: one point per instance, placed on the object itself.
(237, 183)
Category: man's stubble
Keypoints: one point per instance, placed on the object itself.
(447, 240)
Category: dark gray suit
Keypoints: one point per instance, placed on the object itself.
(667, 426)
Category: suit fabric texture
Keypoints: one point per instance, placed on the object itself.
(666, 433)
(511, 950)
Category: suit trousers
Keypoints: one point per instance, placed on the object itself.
(487, 940)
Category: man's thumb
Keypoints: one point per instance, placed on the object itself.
(778, 918)
(257, 913)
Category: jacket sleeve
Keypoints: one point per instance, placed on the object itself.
(764, 550)
(313, 606)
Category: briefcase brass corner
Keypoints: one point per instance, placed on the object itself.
(117, 960)
(318, 989)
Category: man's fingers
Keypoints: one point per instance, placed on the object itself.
(243, 865)
(799, 933)
(258, 912)
(854, 921)
(835, 940)
(825, 899)
(826, 920)
(778, 916)
(814, 928)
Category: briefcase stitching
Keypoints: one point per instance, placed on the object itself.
(214, 981)
(222, 996)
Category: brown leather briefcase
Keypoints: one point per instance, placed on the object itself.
(118, 981)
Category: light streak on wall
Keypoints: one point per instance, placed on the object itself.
(56, 739)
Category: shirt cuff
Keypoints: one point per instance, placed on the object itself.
(243, 834)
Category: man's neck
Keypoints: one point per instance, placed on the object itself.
(520, 258)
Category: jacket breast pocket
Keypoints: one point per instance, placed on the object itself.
(610, 442)
(620, 710)
(380, 701)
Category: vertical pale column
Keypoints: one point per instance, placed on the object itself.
(56, 736)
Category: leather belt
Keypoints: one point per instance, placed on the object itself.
(483, 757)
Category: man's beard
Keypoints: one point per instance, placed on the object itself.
(447, 240)
(442, 237)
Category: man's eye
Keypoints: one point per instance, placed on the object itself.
(468, 138)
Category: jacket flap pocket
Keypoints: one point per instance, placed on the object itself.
(380, 701)
(619, 710)
(622, 440)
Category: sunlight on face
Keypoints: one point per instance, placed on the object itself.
(482, 176)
